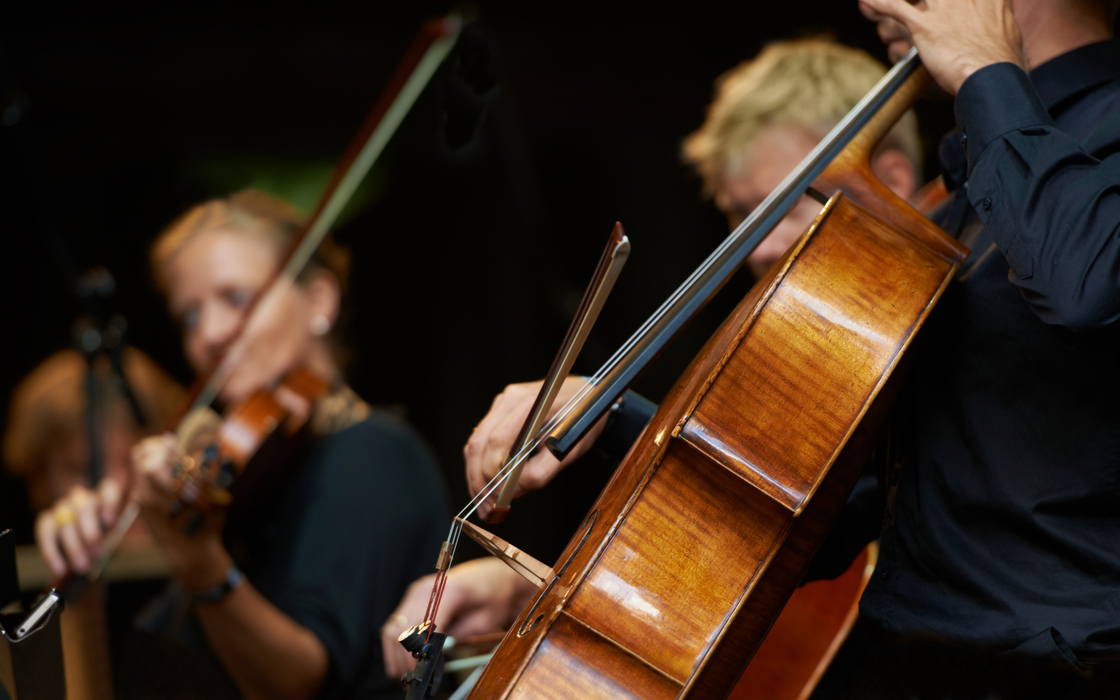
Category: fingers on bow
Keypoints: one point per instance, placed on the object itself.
(69, 533)
(488, 447)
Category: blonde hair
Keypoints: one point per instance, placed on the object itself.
(251, 211)
(811, 83)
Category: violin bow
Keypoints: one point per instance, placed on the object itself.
(427, 52)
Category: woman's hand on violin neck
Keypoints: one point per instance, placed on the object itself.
(488, 447)
(955, 38)
(190, 539)
(481, 596)
(69, 534)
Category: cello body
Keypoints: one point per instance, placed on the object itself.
(711, 520)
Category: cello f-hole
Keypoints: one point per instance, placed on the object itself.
(532, 620)
(528, 626)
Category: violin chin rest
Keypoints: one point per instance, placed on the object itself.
(198, 428)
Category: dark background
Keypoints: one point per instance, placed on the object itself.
(468, 263)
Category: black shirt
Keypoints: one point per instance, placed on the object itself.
(335, 549)
(1005, 523)
(1003, 529)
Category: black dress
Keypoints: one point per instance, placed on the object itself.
(334, 549)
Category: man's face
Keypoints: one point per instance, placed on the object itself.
(772, 155)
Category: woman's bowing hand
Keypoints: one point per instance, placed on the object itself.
(70, 533)
(486, 451)
(190, 539)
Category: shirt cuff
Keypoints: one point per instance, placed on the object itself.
(624, 426)
(993, 101)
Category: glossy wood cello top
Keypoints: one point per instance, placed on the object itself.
(711, 520)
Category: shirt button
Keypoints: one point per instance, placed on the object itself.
(986, 203)
(885, 574)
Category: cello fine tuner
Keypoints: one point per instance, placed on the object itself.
(443, 561)
(414, 638)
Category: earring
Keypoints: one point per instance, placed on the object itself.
(320, 324)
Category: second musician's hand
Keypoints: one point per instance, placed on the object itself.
(481, 596)
(191, 541)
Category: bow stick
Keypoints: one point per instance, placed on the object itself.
(606, 273)
(614, 256)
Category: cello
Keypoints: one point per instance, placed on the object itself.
(678, 571)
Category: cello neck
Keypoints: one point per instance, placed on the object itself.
(861, 129)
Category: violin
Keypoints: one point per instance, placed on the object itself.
(671, 583)
(260, 432)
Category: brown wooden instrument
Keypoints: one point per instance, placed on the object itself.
(257, 433)
(709, 523)
(805, 638)
(819, 615)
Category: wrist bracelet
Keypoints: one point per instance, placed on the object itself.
(213, 594)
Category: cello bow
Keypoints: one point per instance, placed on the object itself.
(614, 256)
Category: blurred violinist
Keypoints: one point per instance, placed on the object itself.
(767, 115)
(285, 599)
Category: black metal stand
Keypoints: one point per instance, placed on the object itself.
(423, 683)
(31, 665)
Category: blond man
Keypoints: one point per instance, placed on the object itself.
(769, 112)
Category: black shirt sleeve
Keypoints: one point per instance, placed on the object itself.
(625, 424)
(1051, 208)
(367, 516)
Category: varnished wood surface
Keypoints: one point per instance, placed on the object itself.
(851, 174)
(806, 636)
(711, 519)
(691, 566)
(577, 662)
(728, 535)
(830, 333)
